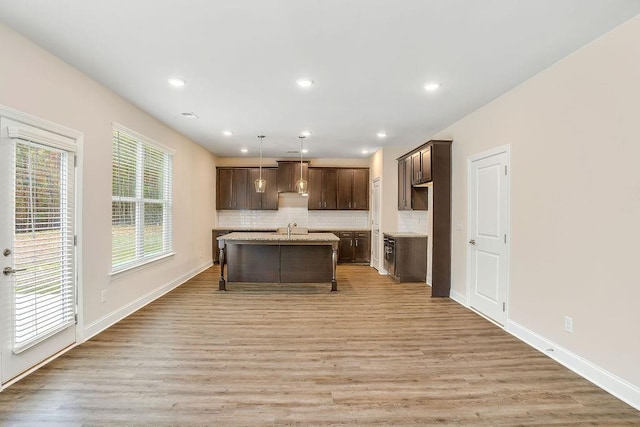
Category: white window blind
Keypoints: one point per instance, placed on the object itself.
(44, 290)
(141, 201)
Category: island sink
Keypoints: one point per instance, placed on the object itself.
(294, 230)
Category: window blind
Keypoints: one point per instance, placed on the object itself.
(44, 290)
(141, 204)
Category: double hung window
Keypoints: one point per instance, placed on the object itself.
(141, 203)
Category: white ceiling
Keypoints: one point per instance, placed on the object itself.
(369, 60)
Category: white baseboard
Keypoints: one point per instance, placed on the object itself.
(114, 317)
(609, 382)
(459, 298)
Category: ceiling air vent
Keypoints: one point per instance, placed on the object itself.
(293, 152)
(189, 115)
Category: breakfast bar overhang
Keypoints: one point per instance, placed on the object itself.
(278, 258)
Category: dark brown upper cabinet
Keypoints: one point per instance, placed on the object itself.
(410, 197)
(232, 189)
(269, 199)
(421, 166)
(236, 189)
(353, 189)
(289, 173)
(404, 184)
(323, 188)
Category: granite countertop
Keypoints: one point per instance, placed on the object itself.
(257, 229)
(274, 237)
(344, 229)
(404, 234)
(264, 229)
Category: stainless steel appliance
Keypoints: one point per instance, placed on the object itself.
(390, 255)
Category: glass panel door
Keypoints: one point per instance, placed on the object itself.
(38, 281)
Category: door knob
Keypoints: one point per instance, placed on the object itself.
(8, 270)
(473, 242)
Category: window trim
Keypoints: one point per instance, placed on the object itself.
(142, 140)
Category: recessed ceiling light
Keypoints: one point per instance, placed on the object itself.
(227, 133)
(365, 151)
(431, 86)
(244, 150)
(175, 82)
(304, 150)
(381, 134)
(304, 82)
(190, 115)
(305, 133)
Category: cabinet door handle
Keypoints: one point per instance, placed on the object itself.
(356, 243)
(350, 242)
(349, 205)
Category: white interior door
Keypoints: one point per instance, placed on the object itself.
(37, 227)
(488, 239)
(375, 224)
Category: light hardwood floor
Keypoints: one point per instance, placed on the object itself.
(375, 353)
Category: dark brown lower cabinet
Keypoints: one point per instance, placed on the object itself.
(354, 246)
(409, 258)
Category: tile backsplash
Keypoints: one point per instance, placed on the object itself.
(413, 221)
(300, 215)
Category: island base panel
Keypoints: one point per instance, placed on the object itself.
(305, 264)
(253, 263)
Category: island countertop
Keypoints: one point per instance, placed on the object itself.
(279, 238)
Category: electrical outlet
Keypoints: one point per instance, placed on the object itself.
(103, 296)
(200, 254)
(568, 324)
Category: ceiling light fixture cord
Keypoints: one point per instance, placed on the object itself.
(260, 183)
(301, 185)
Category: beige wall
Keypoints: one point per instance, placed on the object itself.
(574, 132)
(37, 83)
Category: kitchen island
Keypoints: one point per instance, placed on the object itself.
(278, 258)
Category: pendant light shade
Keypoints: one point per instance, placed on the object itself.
(260, 183)
(301, 184)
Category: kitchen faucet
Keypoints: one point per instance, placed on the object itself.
(289, 228)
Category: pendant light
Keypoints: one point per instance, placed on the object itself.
(260, 183)
(301, 185)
